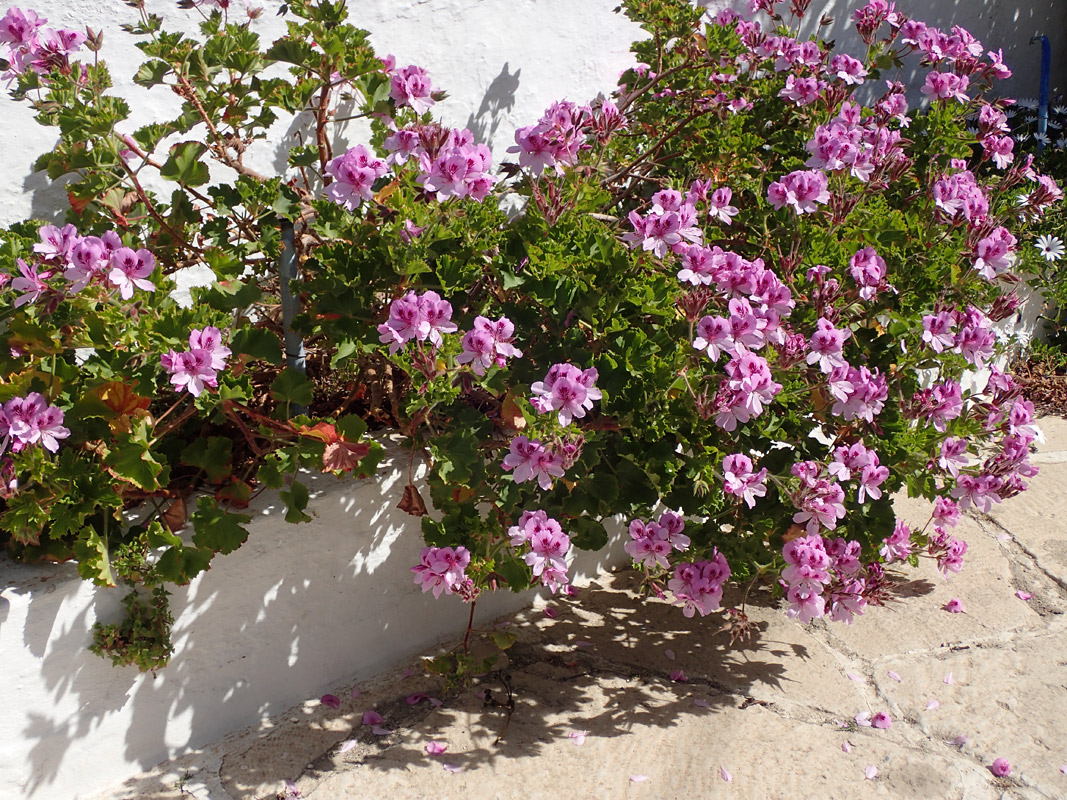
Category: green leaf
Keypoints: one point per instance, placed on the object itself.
(213, 455)
(94, 561)
(217, 530)
(257, 343)
(296, 500)
(151, 73)
(351, 427)
(292, 386)
(184, 165)
(132, 462)
(587, 533)
(180, 564)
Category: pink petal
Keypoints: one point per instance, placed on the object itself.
(1023, 595)
(1003, 537)
(864, 719)
(571, 590)
(960, 740)
(894, 676)
(453, 768)
(578, 737)
(436, 703)
(583, 643)
(882, 720)
(846, 745)
(436, 748)
(347, 745)
(415, 699)
(931, 705)
(331, 700)
(870, 772)
(949, 679)
(378, 730)
(852, 676)
(954, 606)
(550, 612)
(356, 691)
(679, 676)
(726, 776)
(669, 654)
(407, 673)
(371, 718)
(700, 702)
(1063, 769)
(1000, 767)
(638, 778)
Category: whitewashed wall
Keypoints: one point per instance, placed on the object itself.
(297, 611)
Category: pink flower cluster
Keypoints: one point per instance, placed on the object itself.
(83, 260)
(819, 571)
(747, 388)
(937, 405)
(821, 501)
(803, 190)
(959, 195)
(488, 344)
(546, 547)
(858, 393)
(946, 86)
(35, 47)
(558, 137)
(415, 318)
(197, 367)
(30, 420)
(698, 586)
(868, 269)
(566, 390)
(862, 146)
(650, 543)
(869, 18)
(531, 459)
(671, 225)
(974, 340)
(459, 169)
(354, 174)
(995, 254)
(410, 86)
(442, 569)
(740, 481)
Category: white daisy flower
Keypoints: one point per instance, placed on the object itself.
(1051, 247)
(1042, 137)
(1031, 118)
(1022, 137)
(1028, 103)
(1061, 143)
(1061, 110)
(1054, 124)
(1009, 112)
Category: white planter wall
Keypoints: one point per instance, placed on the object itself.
(297, 611)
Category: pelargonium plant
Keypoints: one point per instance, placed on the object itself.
(735, 308)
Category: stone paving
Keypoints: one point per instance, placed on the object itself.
(599, 710)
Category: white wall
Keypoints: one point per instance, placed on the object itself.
(295, 612)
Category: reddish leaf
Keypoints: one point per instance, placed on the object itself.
(322, 431)
(236, 494)
(176, 515)
(412, 502)
(343, 456)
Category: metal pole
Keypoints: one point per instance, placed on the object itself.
(287, 269)
(1042, 107)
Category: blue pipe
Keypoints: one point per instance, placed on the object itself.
(1042, 108)
(287, 269)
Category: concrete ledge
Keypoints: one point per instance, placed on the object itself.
(297, 610)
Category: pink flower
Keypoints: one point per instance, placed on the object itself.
(488, 344)
(530, 460)
(440, 569)
(740, 481)
(946, 86)
(354, 174)
(130, 269)
(847, 69)
(410, 86)
(29, 281)
(803, 190)
(954, 606)
(882, 720)
(719, 205)
(698, 586)
(566, 390)
(190, 370)
(826, 346)
(1000, 767)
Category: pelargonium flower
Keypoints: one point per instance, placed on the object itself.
(946, 86)
(441, 569)
(548, 546)
(354, 174)
(567, 390)
(826, 345)
(740, 481)
(719, 205)
(30, 420)
(531, 459)
(197, 368)
(697, 587)
(130, 269)
(410, 86)
(803, 190)
(461, 169)
(29, 281)
(868, 269)
(488, 344)
(412, 318)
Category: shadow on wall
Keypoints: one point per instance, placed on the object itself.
(1007, 24)
(298, 610)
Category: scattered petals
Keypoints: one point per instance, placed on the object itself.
(638, 778)
(870, 772)
(407, 673)
(453, 768)
(882, 720)
(578, 737)
(726, 776)
(700, 702)
(331, 700)
(669, 654)
(1063, 769)
(436, 702)
(1003, 537)
(415, 699)
(1000, 767)
(863, 719)
(583, 643)
(931, 705)
(436, 748)
(846, 746)
(347, 745)
(571, 590)
(894, 676)
(1023, 595)
(679, 676)
(372, 718)
(356, 691)
(949, 679)
(291, 789)
(550, 612)
(852, 676)
(960, 740)
(954, 606)
(378, 730)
